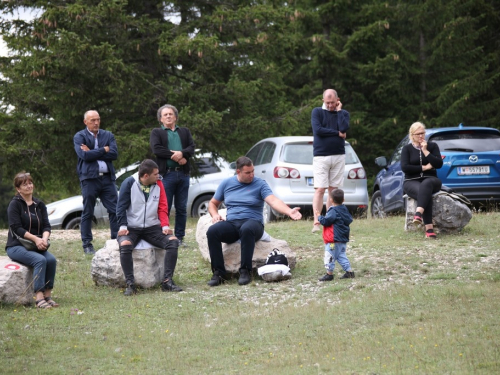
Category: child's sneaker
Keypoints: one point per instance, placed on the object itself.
(348, 275)
(327, 277)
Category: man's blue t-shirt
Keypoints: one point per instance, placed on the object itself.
(243, 201)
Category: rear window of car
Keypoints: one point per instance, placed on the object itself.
(302, 153)
(350, 155)
(298, 153)
(467, 141)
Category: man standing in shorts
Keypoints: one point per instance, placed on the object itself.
(329, 124)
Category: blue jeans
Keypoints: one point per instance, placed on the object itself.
(336, 252)
(102, 187)
(176, 185)
(43, 263)
(248, 231)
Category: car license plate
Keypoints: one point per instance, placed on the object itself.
(464, 171)
(310, 181)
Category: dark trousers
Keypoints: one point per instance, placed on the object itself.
(105, 189)
(422, 190)
(176, 185)
(248, 231)
(155, 237)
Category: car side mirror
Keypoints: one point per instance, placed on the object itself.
(381, 161)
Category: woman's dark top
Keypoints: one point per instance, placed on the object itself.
(411, 164)
(20, 214)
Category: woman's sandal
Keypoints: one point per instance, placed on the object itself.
(417, 220)
(42, 304)
(51, 302)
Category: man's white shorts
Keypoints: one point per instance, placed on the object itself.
(329, 171)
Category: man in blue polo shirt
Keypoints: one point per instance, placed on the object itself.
(244, 196)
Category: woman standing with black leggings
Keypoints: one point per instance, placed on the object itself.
(419, 161)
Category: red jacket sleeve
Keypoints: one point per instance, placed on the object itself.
(163, 206)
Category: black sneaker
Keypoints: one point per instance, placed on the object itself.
(169, 286)
(216, 279)
(182, 243)
(348, 275)
(244, 277)
(130, 290)
(327, 277)
(89, 249)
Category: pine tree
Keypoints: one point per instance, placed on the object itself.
(220, 63)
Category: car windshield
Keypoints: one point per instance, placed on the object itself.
(201, 166)
(467, 141)
(120, 179)
(302, 153)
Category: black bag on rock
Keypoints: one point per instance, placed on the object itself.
(445, 190)
(277, 257)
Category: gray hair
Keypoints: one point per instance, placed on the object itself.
(330, 92)
(86, 113)
(176, 112)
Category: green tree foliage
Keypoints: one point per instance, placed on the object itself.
(220, 63)
(396, 62)
(239, 71)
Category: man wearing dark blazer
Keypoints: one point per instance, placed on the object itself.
(173, 147)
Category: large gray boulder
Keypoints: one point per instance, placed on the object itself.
(148, 266)
(16, 282)
(232, 252)
(448, 215)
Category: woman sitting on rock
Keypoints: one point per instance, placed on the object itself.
(419, 161)
(28, 220)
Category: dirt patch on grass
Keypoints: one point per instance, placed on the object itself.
(66, 235)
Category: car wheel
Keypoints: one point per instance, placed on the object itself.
(377, 208)
(200, 206)
(74, 223)
(268, 214)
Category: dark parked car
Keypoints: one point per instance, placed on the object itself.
(471, 166)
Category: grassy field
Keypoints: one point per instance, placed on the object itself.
(416, 306)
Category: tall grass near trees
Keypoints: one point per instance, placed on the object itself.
(416, 306)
